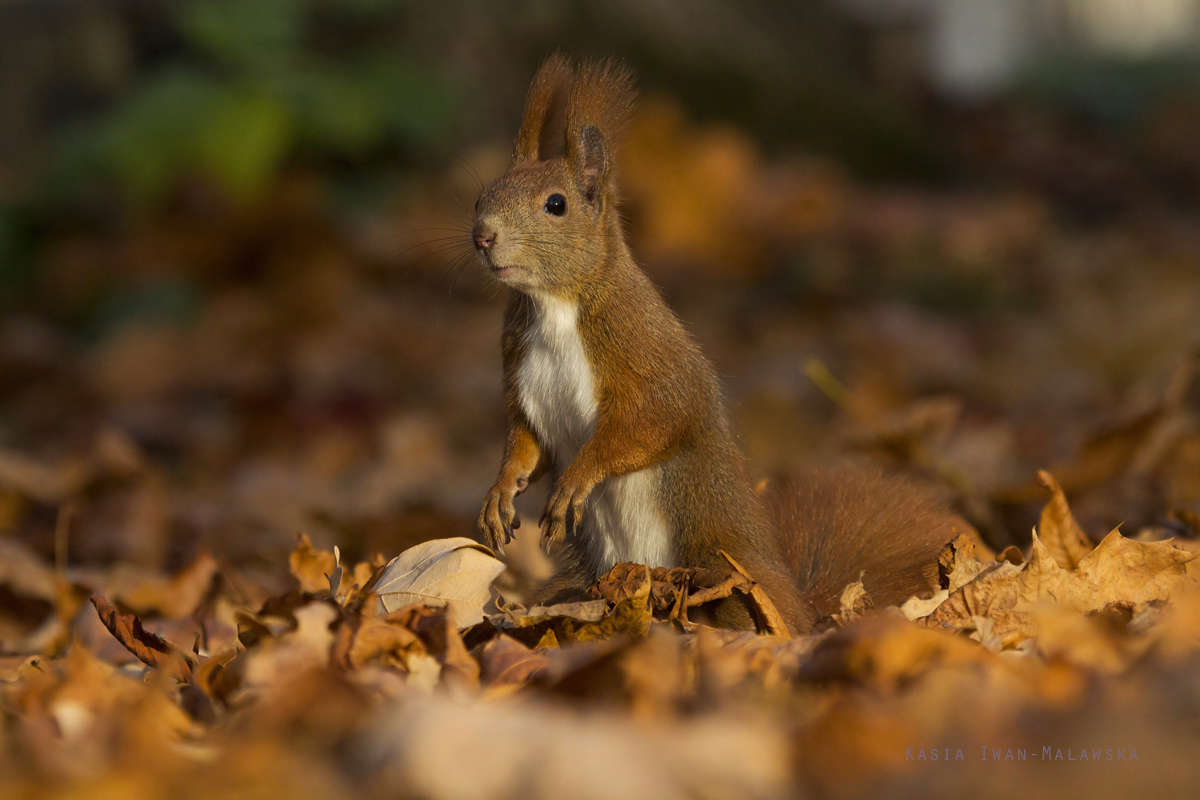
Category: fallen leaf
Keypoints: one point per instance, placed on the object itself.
(1119, 571)
(886, 652)
(1057, 528)
(769, 618)
(506, 662)
(150, 649)
(438, 629)
(1128, 571)
(378, 640)
(667, 586)
(853, 603)
(310, 566)
(457, 573)
(579, 622)
(583, 611)
(962, 560)
(915, 608)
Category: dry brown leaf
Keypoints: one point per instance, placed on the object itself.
(1080, 639)
(1119, 571)
(667, 586)
(854, 602)
(887, 652)
(506, 662)
(1012, 555)
(438, 629)
(150, 649)
(378, 640)
(1057, 528)
(310, 566)
(620, 583)
(675, 590)
(962, 560)
(915, 608)
(652, 676)
(770, 620)
(321, 572)
(220, 675)
(1007, 594)
(579, 622)
(583, 611)
(1128, 571)
(457, 573)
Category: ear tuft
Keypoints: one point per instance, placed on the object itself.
(598, 108)
(543, 129)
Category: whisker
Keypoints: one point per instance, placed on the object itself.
(470, 172)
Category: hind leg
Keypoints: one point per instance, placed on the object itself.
(570, 584)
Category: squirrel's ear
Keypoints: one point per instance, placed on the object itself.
(598, 109)
(544, 127)
(591, 159)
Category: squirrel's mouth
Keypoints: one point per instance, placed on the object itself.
(501, 271)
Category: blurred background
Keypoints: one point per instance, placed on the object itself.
(956, 236)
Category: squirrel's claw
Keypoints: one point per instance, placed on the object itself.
(563, 514)
(497, 519)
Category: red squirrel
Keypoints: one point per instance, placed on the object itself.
(606, 391)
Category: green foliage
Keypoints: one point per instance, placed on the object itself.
(253, 89)
(244, 140)
(256, 34)
(152, 138)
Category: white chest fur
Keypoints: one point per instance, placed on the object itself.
(557, 391)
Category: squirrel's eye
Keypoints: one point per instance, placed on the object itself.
(556, 204)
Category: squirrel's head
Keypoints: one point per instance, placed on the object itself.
(551, 219)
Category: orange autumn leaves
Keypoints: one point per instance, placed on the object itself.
(550, 702)
(1064, 570)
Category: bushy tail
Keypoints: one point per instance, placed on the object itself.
(835, 524)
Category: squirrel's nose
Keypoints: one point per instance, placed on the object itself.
(484, 236)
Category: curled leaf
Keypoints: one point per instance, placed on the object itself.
(770, 620)
(151, 650)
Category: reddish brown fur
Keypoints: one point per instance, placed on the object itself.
(659, 400)
(543, 108)
(837, 523)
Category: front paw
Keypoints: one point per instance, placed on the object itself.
(498, 517)
(564, 512)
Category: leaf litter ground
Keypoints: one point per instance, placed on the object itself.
(331, 690)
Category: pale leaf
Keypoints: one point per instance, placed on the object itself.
(915, 608)
(454, 572)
